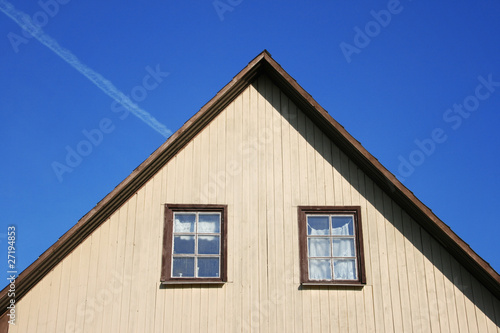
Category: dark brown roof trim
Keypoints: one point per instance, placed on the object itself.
(369, 164)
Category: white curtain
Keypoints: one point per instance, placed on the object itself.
(344, 269)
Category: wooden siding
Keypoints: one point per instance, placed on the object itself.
(262, 157)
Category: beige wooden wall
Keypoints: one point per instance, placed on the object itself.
(262, 158)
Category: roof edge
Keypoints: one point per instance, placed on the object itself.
(147, 169)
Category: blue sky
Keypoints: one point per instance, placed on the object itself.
(416, 82)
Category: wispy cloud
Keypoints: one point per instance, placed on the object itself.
(24, 21)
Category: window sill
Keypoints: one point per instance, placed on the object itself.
(331, 284)
(192, 282)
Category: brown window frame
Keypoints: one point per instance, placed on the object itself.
(303, 212)
(166, 267)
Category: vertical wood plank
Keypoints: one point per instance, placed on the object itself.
(384, 264)
(237, 206)
(313, 200)
(250, 152)
(459, 295)
(356, 201)
(440, 292)
(406, 311)
(374, 278)
(469, 298)
(478, 305)
(245, 211)
(295, 201)
(496, 310)
(411, 269)
(53, 300)
(488, 310)
(199, 189)
(63, 296)
(40, 314)
(184, 195)
(89, 306)
(449, 290)
(72, 294)
(234, 167)
(157, 247)
(34, 306)
(392, 260)
(368, 289)
(180, 292)
(430, 282)
(195, 308)
(337, 297)
(222, 172)
(420, 274)
(278, 207)
(128, 266)
(328, 167)
(270, 311)
(119, 260)
(22, 315)
(168, 293)
(110, 291)
(102, 297)
(307, 322)
(135, 319)
(154, 225)
(345, 297)
(286, 301)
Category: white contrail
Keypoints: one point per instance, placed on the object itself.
(24, 22)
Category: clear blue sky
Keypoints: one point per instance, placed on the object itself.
(391, 85)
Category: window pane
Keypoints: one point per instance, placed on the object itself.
(317, 225)
(320, 269)
(208, 244)
(184, 222)
(342, 225)
(319, 247)
(344, 269)
(343, 247)
(183, 267)
(208, 267)
(184, 245)
(209, 223)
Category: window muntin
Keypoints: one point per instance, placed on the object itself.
(331, 245)
(194, 244)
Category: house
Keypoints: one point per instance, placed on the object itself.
(260, 214)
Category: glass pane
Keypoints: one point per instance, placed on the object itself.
(343, 247)
(208, 267)
(344, 269)
(209, 223)
(208, 244)
(184, 222)
(320, 269)
(342, 225)
(183, 267)
(319, 247)
(184, 245)
(317, 225)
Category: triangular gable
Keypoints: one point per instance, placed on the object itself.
(262, 64)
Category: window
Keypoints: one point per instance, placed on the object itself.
(331, 245)
(194, 244)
